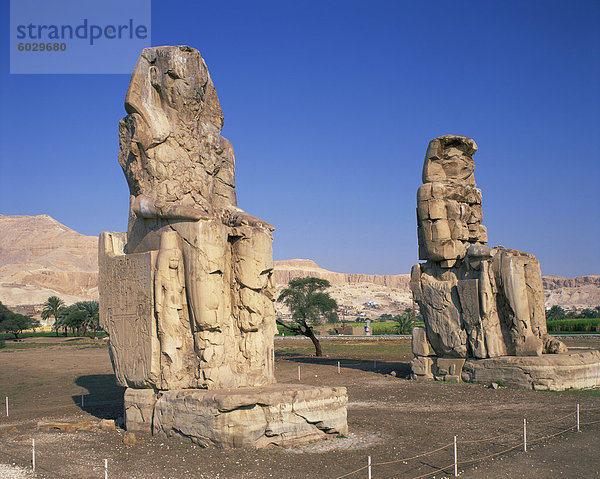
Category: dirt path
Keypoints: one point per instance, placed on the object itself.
(390, 418)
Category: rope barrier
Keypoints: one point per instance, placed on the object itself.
(477, 441)
(414, 457)
(555, 420)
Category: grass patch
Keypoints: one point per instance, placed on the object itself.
(382, 351)
(50, 334)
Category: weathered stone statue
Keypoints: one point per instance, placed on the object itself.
(477, 302)
(187, 294)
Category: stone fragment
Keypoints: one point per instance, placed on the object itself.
(139, 409)
(107, 424)
(421, 368)
(130, 439)
(420, 345)
(448, 366)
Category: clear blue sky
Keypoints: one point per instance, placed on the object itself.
(330, 106)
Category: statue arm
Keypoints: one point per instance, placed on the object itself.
(147, 207)
(237, 217)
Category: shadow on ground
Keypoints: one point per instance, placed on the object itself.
(102, 396)
(381, 367)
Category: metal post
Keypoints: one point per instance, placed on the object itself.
(524, 435)
(6, 406)
(82, 398)
(374, 363)
(578, 417)
(298, 372)
(369, 466)
(33, 454)
(455, 459)
(105, 468)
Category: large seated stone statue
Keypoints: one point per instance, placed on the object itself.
(476, 302)
(187, 294)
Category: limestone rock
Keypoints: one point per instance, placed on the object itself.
(107, 424)
(421, 368)
(556, 372)
(139, 409)
(420, 345)
(476, 302)
(130, 439)
(278, 414)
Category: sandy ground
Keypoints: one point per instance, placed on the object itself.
(390, 418)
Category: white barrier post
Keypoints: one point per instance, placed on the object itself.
(33, 454)
(455, 459)
(369, 466)
(6, 406)
(339, 370)
(82, 397)
(578, 417)
(298, 372)
(105, 468)
(524, 435)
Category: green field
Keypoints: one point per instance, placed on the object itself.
(587, 325)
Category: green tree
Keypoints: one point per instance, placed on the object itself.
(588, 313)
(75, 320)
(309, 304)
(52, 307)
(555, 312)
(16, 323)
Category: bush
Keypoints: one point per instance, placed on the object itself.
(582, 325)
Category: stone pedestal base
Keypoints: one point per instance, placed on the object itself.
(433, 367)
(281, 414)
(556, 372)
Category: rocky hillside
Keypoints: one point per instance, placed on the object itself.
(40, 257)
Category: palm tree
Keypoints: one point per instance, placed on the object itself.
(404, 323)
(52, 307)
(91, 309)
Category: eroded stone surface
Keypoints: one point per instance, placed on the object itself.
(279, 414)
(477, 302)
(554, 372)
